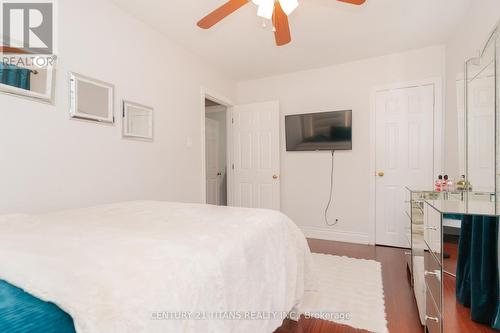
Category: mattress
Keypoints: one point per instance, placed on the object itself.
(21, 312)
(149, 266)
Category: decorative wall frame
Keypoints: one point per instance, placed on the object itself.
(137, 121)
(91, 99)
(41, 87)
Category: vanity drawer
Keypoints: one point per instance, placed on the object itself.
(408, 198)
(433, 319)
(433, 278)
(432, 231)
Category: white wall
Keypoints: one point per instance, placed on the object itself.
(48, 162)
(305, 175)
(465, 43)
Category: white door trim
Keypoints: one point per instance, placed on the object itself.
(214, 96)
(438, 138)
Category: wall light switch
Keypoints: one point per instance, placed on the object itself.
(189, 142)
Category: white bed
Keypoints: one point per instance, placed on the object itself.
(127, 267)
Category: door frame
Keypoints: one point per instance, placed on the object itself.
(439, 129)
(214, 96)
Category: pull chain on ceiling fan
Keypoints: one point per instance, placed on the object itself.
(275, 10)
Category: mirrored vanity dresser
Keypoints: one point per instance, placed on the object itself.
(469, 274)
(453, 235)
(434, 234)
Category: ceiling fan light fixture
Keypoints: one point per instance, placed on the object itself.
(266, 8)
(289, 6)
(275, 10)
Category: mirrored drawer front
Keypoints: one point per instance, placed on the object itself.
(408, 203)
(433, 320)
(417, 211)
(432, 230)
(408, 237)
(433, 277)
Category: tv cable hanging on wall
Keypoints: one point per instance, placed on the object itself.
(330, 198)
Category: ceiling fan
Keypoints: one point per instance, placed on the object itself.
(275, 10)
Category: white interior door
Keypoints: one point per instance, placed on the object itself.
(256, 155)
(404, 156)
(212, 160)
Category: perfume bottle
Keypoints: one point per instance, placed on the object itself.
(461, 183)
(439, 183)
(444, 187)
(450, 185)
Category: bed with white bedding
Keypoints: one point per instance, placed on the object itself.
(159, 267)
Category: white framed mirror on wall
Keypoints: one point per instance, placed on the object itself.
(91, 99)
(20, 79)
(137, 121)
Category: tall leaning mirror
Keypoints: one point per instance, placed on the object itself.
(481, 123)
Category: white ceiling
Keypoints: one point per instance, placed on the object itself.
(324, 32)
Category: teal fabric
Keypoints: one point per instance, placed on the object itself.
(15, 76)
(453, 217)
(22, 313)
(477, 268)
(496, 322)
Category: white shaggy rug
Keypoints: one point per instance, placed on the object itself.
(350, 292)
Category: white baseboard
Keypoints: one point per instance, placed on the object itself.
(334, 235)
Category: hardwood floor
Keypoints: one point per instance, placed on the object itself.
(457, 316)
(450, 264)
(402, 314)
(401, 309)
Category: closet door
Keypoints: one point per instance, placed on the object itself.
(256, 155)
(404, 156)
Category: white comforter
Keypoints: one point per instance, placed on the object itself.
(130, 267)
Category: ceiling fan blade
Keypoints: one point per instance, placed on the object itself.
(354, 2)
(220, 13)
(280, 21)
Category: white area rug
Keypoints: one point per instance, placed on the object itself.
(350, 293)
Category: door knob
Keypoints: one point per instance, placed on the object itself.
(275, 177)
(380, 174)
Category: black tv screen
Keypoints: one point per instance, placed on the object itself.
(319, 131)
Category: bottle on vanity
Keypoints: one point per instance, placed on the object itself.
(461, 183)
(439, 183)
(450, 185)
(444, 186)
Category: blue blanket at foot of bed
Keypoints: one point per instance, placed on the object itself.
(21, 312)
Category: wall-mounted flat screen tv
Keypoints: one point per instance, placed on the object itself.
(319, 131)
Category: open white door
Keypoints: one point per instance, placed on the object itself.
(212, 160)
(404, 156)
(256, 155)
